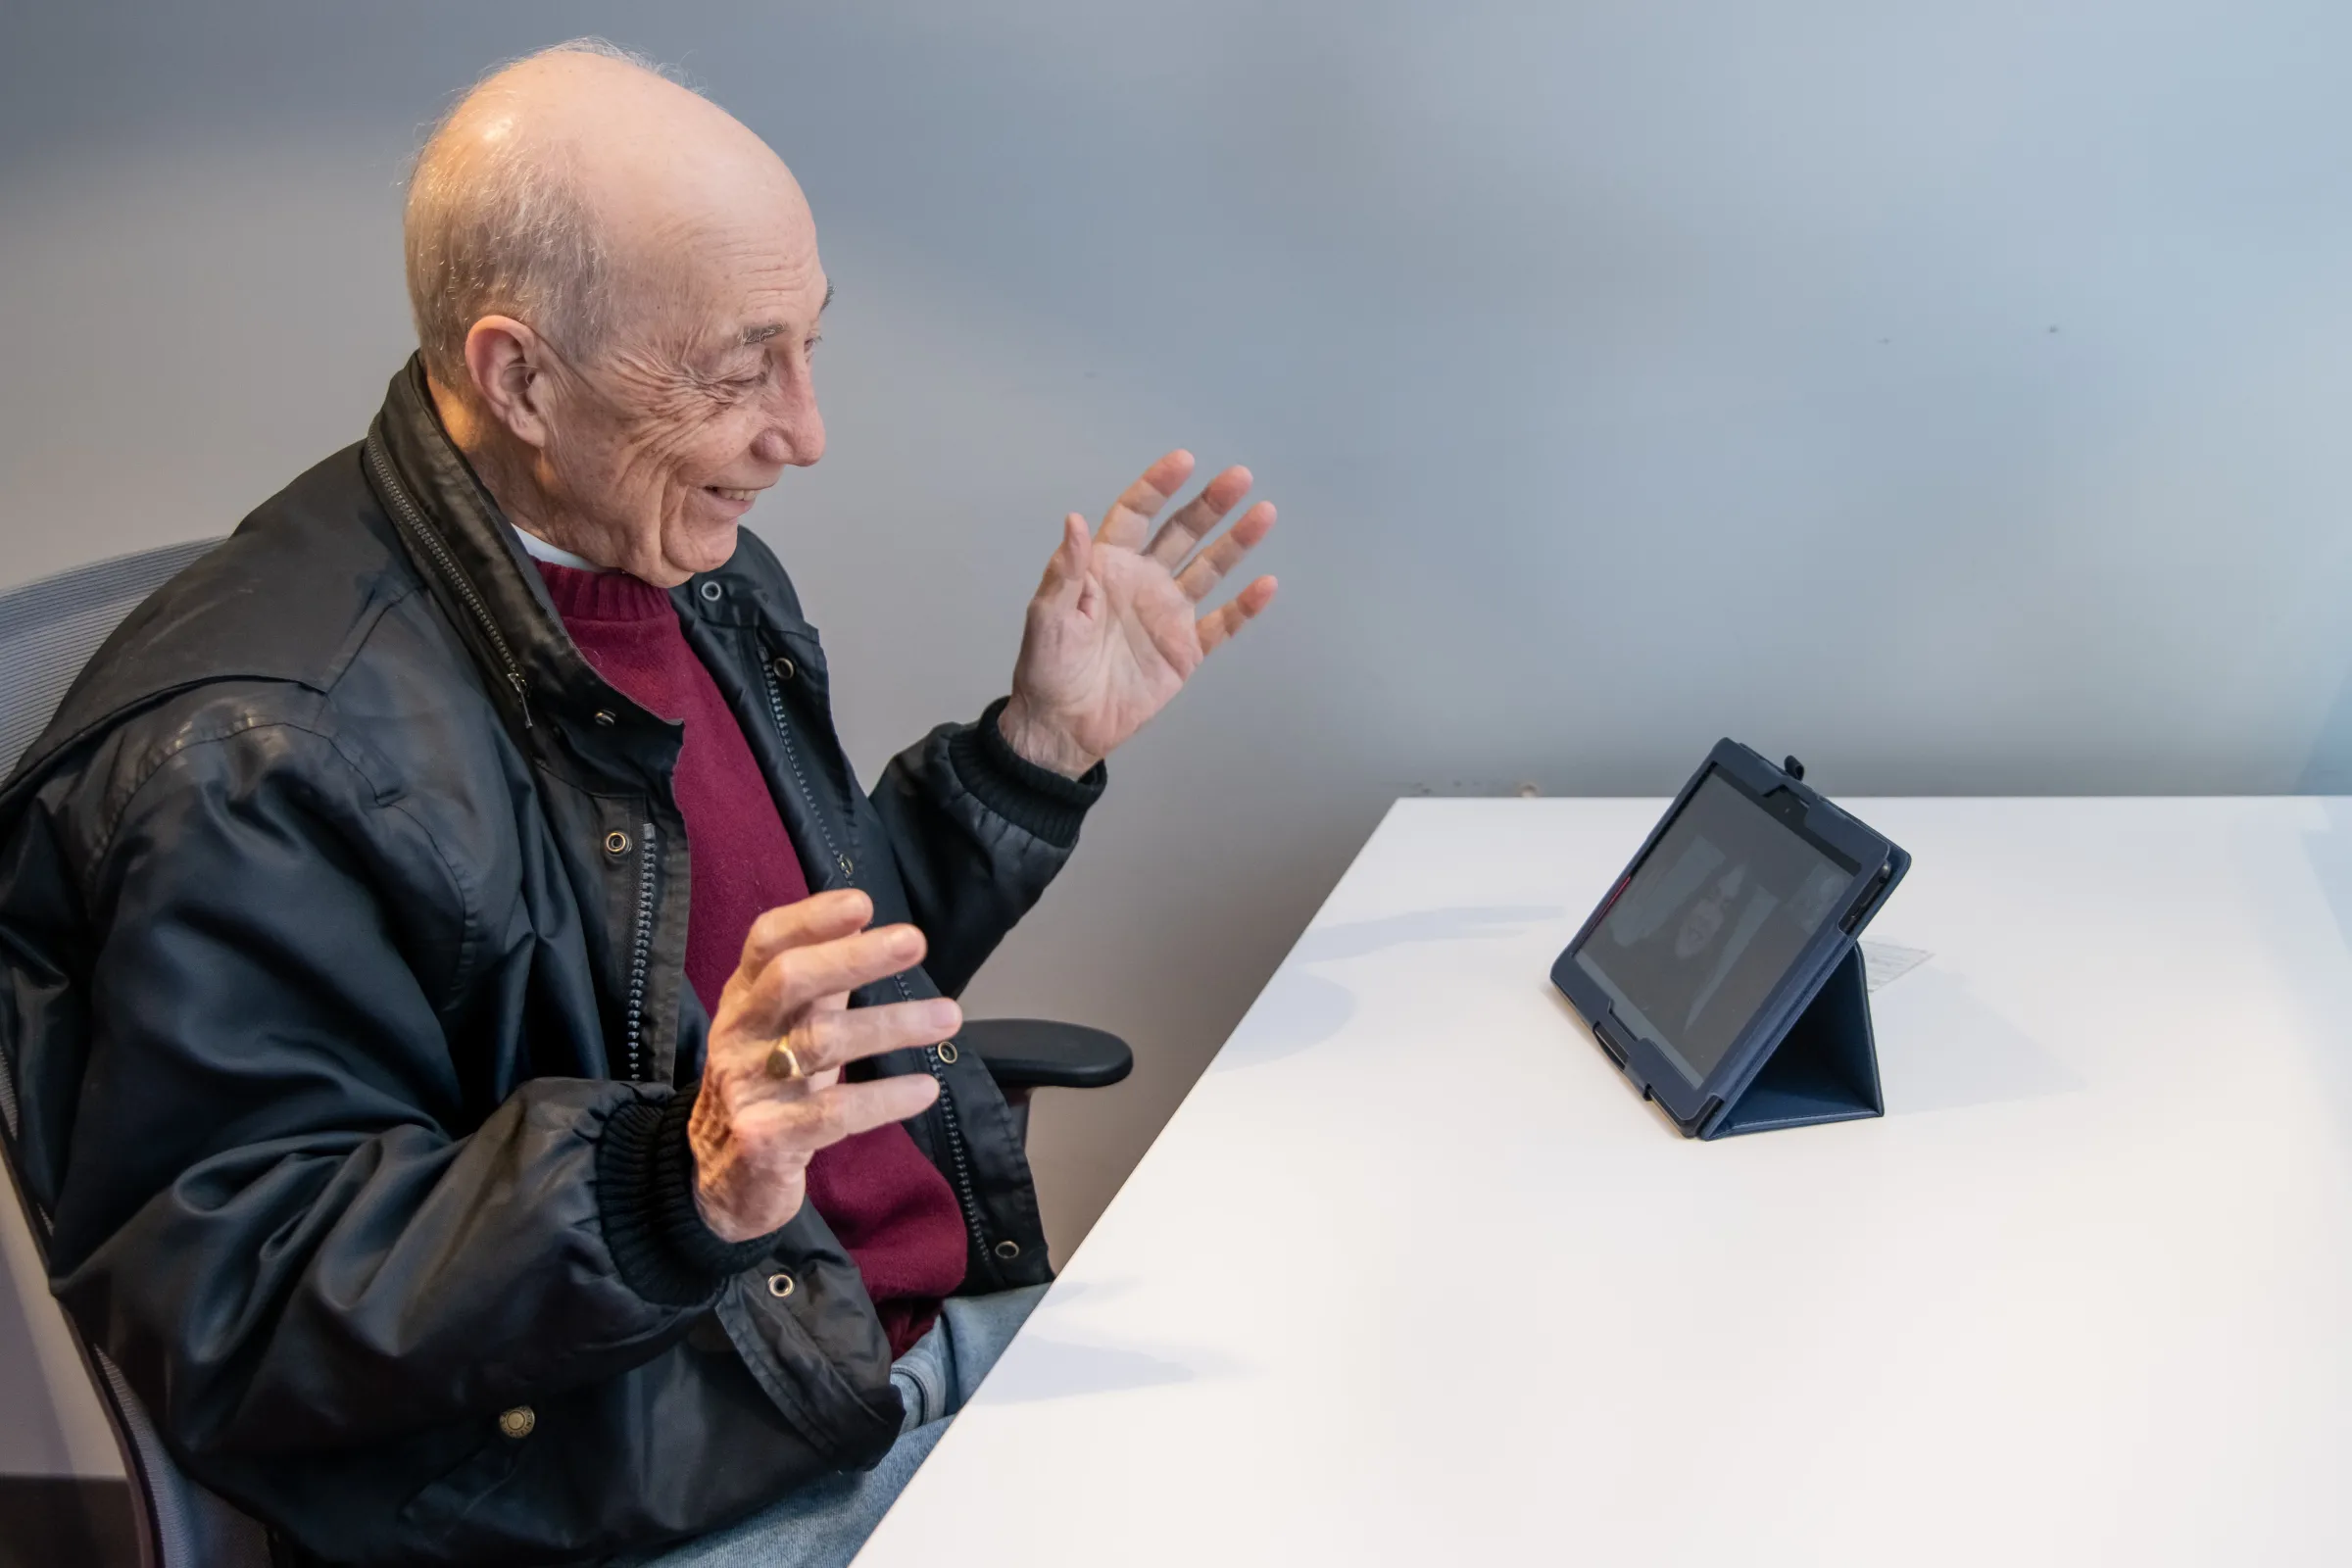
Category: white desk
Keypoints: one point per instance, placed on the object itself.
(1413, 1277)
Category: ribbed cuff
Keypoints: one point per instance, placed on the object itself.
(645, 1188)
(1035, 799)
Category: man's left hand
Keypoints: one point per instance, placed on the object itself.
(1115, 628)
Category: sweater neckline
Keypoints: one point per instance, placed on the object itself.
(608, 596)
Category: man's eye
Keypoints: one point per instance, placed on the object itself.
(810, 347)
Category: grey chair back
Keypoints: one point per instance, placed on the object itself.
(48, 630)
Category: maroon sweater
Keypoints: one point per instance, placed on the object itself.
(889, 1205)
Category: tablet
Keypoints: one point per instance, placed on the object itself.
(1750, 893)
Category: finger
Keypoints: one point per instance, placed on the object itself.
(831, 1038)
(1199, 517)
(798, 977)
(1237, 611)
(1124, 524)
(1065, 569)
(820, 917)
(824, 1118)
(1210, 565)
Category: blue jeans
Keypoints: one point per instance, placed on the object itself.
(822, 1525)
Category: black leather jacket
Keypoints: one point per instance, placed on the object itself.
(342, 925)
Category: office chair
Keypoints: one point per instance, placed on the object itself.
(48, 630)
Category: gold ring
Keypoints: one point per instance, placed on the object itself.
(782, 1063)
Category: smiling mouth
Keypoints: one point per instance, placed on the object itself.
(725, 494)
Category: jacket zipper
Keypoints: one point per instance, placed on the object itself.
(458, 580)
(641, 948)
(945, 1105)
(649, 869)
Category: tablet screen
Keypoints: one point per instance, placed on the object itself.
(1710, 921)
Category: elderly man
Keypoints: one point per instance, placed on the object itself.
(491, 1069)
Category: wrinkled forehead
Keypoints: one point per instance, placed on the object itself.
(699, 262)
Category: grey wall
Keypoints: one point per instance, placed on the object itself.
(1950, 393)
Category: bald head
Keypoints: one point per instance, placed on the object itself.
(573, 189)
(617, 292)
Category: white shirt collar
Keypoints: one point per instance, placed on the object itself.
(540, 550)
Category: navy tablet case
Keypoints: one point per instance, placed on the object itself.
(1825, 1065)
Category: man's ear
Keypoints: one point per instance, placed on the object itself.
(508, 364)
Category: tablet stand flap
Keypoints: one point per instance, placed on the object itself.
(1825, 1067)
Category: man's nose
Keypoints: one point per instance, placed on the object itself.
(796, 434)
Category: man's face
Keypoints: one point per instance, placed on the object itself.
(697, 401)
(1698, 928)
(1705, 918)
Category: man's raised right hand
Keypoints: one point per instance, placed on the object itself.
(753, 1133)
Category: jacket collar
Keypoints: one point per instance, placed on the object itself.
(466, 554)
(474, 562)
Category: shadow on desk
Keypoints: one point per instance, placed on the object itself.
(1058, 1369)
(1050, 1368)
(1943, 1047)
(1300, 1009)
(2323, 986)
(1940, 1045)
(1940, 1048)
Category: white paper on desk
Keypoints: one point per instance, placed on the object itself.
(1884, 963)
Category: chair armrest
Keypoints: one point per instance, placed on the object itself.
(1039, 1053)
